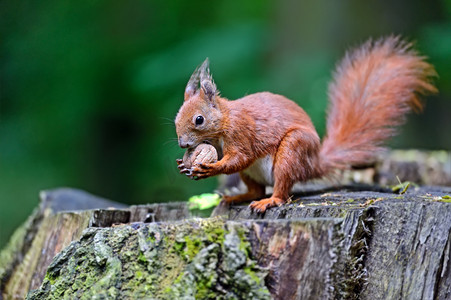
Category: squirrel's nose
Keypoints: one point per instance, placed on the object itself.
(183, 143)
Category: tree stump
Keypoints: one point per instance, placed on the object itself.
(61, 218)
(354, 242)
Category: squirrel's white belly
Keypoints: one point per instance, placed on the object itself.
(262, 170)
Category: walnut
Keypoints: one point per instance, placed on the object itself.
(202, 154)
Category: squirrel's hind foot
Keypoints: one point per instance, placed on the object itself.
(261, 205)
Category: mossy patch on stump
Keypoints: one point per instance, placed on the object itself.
(195, 259)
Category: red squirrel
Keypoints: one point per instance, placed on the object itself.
(270, 140)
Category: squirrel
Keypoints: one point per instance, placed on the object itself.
(270, 140)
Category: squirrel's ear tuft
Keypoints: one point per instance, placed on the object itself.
(193, 84)
(192, 87)
(208, 88)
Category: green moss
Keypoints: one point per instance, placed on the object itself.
(192, 247)
(50, 278)
(204, 291)
(250, 270)
(201, 259)
(244, 243)
(151, 238)
(215, 233)
(139, 275)
(178, 247)
(142, 258)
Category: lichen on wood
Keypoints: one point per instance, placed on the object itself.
(202, 259)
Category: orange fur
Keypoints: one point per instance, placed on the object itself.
(372, 90)
(271, 140)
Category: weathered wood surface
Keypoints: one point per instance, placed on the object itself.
(432, 168)
(302, 257)
(404, 247)
(333, 244)
(199, 259)
(62, 216)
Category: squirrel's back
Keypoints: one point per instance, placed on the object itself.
(267, 118)
(373, 88)
(270, 107)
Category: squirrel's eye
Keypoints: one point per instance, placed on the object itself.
(199, 120)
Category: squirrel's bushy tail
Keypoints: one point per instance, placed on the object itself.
(373, 88)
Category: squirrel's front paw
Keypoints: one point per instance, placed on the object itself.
(201, 171)
(183, 169)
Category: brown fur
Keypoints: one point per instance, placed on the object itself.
(373, 88)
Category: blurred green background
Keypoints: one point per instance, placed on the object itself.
(89, 89)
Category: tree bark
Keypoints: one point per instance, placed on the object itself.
(61, 218)
(328, 243)
(400, 245)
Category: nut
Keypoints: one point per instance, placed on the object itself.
(202, 154)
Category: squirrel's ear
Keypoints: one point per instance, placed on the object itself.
(192, 87)
(208, 89)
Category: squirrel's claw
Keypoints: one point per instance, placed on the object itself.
(186, 171)
(257, 207)
(181, 166)
(201, 171)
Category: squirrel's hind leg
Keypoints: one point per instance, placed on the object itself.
(282, 188)
(293, 162)
(255, 190)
